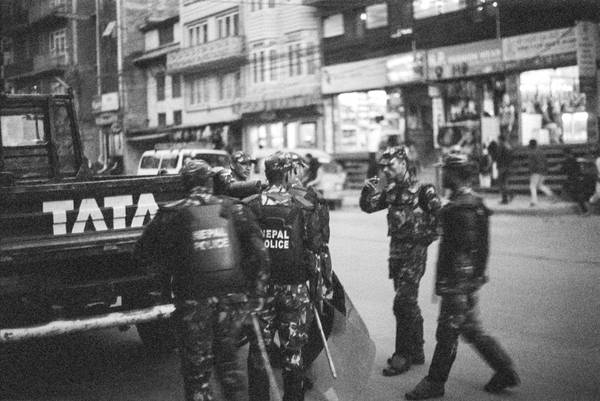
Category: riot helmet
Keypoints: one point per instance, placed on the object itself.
(396, 165)
(458, 170)
(196, 173)
(276, 166)
(241, 164)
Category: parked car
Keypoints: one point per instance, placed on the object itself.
(332, 175)
(170, 161)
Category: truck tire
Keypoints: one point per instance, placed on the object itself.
(157, 336)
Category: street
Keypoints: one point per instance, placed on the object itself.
(541, 304)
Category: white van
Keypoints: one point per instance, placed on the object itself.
(171, 160)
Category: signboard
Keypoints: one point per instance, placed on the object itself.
(539, 49)
(106, 118)
(355, 76)
(586, 35)
(475, 58)
(408, 67)
(110, 101)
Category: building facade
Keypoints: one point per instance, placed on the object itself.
(456, 72)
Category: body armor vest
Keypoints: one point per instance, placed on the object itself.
(283, 229)
(214, 251)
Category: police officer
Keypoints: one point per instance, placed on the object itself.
(412, 226)
(461, 271)
(291, 235)
(211, 249)
(233, 181)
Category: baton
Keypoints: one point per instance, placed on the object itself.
(322, 333)
(263, 352)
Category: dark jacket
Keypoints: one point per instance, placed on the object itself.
(536, 161)
(164, 245)
(504, 156)
(464, 247)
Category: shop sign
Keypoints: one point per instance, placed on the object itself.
(403, 68)
(586, 34)
(475, 58)
(97, 104)
(278, 104)
(110, 101)
(355, 76)
(106, 118)
(540, 49)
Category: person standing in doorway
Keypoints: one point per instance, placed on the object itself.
(538, 168)
(504, 159)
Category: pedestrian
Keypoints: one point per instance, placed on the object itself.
(485, 168)
(575, 181)
(595, 198)
(504, 159)
(507, 116)
(412, 226)
(461, 271)
(312, 170)
(538, 168)
(291, 232)
(212, 251)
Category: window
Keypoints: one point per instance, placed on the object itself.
(177, 117)
(271, 3)
(298, 50)
(165, 35)
(221, 87)
(259, 66)
(262, 66)
(237, 85)
(255, 67)
(199, 91)
(162, 119)
(228, 25)
(160, 86)
(198, 33)
(176, 86)
(377, 16)
(430, 8)
(311, 59)
(273, 64)
(256, 5)
(333, 25)
(58, 42)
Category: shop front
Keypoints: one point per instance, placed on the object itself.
(294, 122)
(555, 84)
(470, 104)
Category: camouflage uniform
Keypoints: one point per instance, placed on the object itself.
(289, 309)
(207, 326)
(412, 226)
(461, 271)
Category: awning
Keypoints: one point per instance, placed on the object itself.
(147, 137)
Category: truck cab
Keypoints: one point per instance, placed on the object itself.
(67, 237)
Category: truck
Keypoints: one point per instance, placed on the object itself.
(67, 236)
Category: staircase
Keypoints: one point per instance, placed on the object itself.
(519, 173)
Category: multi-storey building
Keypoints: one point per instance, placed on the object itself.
(281, 105)
(436, 72)
(49, 46)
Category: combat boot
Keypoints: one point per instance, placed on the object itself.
(426, 389)
(502, 380)
(418, 357)
(398, 364)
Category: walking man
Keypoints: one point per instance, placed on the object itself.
(210, 253)
(504, 158)
(538, 168)
(461, 271)
(412, 226)
(291, 231)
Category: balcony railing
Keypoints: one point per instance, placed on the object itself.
(208, 55)
(43, 9)
(48, 62)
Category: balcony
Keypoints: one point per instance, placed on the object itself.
(216, 54)
(47, 62)
(17, 68)
(48, 11)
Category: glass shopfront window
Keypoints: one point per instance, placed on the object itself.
(278, 135)
(366, 121)
(552, 106)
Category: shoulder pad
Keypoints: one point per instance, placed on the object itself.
(251, 198)
(303, 201)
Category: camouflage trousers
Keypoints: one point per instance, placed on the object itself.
(287, 313)
(406, 267)
(459, 316)
(207, 333)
